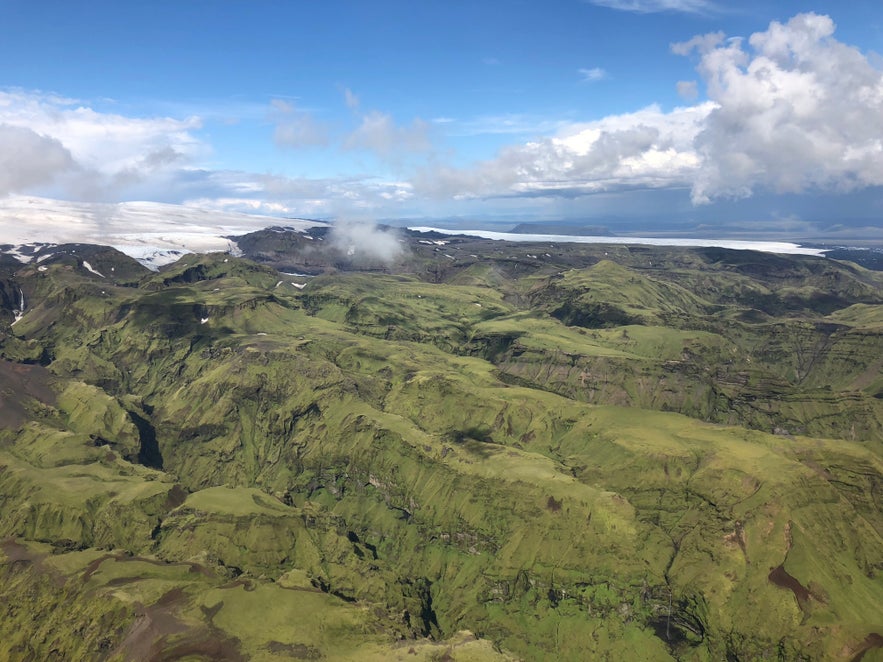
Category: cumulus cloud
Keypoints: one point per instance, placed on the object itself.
(702, 43)
(648, 148)
(653, 6)
(796, 110)
(28, 159)
(790, 110)
(111, 151)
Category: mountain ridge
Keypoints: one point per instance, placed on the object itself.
(427, 446)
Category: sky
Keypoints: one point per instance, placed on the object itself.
(665, 115)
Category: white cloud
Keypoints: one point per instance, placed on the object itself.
(688, 89)
(593, 75)
(296, 128)
(702, 43)
(796, 110)
(296, 196)
(648, 148)
(379, 133)
(653, 6)
(509, 123)
(352, 101)
(111, 151)
(789, 111)
(364, 241)
(28, 159)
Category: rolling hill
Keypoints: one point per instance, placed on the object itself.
(473, 451)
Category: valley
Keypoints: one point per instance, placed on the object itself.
(460, 449)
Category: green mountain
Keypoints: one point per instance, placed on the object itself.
(479, 451)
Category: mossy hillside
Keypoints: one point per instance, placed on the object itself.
(541, 499)
(278, 623)
(402, 308)
(400, 463)
(197, 268)
(755, 493)
(100, 605)
(44, 612)
(860, 315)
(216, 520)
(239, 528)
(489, 499)
(750, 374)
(82, 505)
(326, 467)
(608, 294)
(748, 360)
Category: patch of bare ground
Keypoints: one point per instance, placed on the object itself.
(18, 384)
(159, 635)
(872, 641)
(780, 577)
(17, 553)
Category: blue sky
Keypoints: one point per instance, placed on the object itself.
(663, 112)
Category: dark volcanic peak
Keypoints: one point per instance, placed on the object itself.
(869, 258)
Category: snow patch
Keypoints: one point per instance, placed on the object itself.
(152, 233)
(762, 246)
(88, 267)
(18, 255)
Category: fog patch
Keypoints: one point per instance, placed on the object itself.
(366, 241)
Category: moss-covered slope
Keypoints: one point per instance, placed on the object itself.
(216, 463)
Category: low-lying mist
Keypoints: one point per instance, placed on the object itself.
(366, 241)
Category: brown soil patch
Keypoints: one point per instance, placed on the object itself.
(780, 577)
(18, 553)
(20, 383)
(149, 636)
(871, 642)
(15, 551)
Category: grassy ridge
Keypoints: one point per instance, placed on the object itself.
(400, 460)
